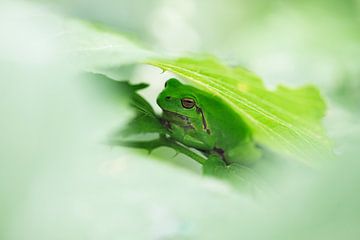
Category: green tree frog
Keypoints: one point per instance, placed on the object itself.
(205, 122)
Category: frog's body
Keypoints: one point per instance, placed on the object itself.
(205, 122)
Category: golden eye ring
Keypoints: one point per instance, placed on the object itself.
(188, 103)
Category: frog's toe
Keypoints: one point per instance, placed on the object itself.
(214, 166)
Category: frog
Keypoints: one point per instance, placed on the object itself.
(205, 122)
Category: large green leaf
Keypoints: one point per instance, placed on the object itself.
(286, 120)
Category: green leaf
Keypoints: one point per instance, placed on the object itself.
(95, 47)
(286, 120)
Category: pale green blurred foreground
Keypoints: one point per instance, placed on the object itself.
(59, 181)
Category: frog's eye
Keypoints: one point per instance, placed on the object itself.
(166, 83)
(188, 103)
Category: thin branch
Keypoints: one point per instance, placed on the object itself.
(160, 142)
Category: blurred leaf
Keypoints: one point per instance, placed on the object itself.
(346, 92)
(111, 88)
(145, 120)
(286, 120)
(95, 47)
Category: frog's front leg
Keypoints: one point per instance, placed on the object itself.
(200, 141)
(214, 166)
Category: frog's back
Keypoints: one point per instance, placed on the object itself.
(228, 126)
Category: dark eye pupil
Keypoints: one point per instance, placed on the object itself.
(188, 103)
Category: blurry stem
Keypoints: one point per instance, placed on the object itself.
(161, 142)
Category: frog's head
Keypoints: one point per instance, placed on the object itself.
(179, 98)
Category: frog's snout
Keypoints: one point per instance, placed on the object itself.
(161, 100)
